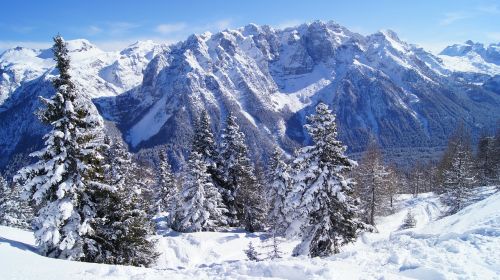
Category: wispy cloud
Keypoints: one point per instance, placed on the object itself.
(453, 17)
(27, 44)
(93, 30)
(495, 36)
(23, 29)
(120, 28)
(489, 9)
(288, 23)
(169, 28)
(176, 31)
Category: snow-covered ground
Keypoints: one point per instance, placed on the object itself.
(462, 246)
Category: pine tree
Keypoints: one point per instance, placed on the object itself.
(60, 183)
(327, 205)
(203, 140)
(200, 204)
(122, 229)
(167, 186)
(372, 184)
(458, 176)
(409, 221)
(251, 253)
(14, 211)
(241, 189)
(273, 250)
(487, 160)
(280, 187)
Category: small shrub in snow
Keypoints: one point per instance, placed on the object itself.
(409, 221)
(251, 253)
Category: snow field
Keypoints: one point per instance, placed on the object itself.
(461, 246)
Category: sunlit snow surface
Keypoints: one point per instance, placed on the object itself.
(461, 246)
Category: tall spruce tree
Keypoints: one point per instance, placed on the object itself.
(204, 141)
(68, 169)
(200, 206)
(280, 186)
(458, 173)
(327, 205)
(14, 211)
(487, 160)
(122, 228)
(239, 182)
(167, 185)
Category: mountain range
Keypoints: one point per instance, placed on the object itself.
(378, 85)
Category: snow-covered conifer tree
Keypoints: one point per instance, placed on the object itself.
(122, 228)
(167, 185)
(251, 253)
(60, 183)
(239, 182)
(458, 174)
(200, 206)
(326, 203)
(280, 186)
(409, 221)
(14, 211)
(203, 140)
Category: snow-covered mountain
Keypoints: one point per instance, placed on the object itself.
(25, 74)
(471, 57)
(271, 79)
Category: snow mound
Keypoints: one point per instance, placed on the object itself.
(462, 246)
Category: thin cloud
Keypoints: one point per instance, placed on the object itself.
(93, 30)
(23, 29)
(120, 28)
(288, 23)
(453, 17)
(490, 9)
(169, 28)
(26, 44)
(495, 36)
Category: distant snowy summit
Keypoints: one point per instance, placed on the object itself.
(473, 57)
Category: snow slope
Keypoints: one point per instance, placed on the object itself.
(461, 246)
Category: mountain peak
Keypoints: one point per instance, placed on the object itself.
(80, 45)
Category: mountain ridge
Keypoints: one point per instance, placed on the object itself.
(377, 84)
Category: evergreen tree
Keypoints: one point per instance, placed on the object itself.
(68, 169)
(167, 186)
(327, 205)
(251, 253)
(241, 189)
(487, 160)
(373, 180)
(409, 221)
(200, 203)
(14, 211)
(281, 184)
(273, 250)
(458, 176)
(204, 141)
(122, 229)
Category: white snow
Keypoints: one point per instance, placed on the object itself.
(461, 246)
(150, 124)
(470, 63)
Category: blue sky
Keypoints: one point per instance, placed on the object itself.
(115, 24)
